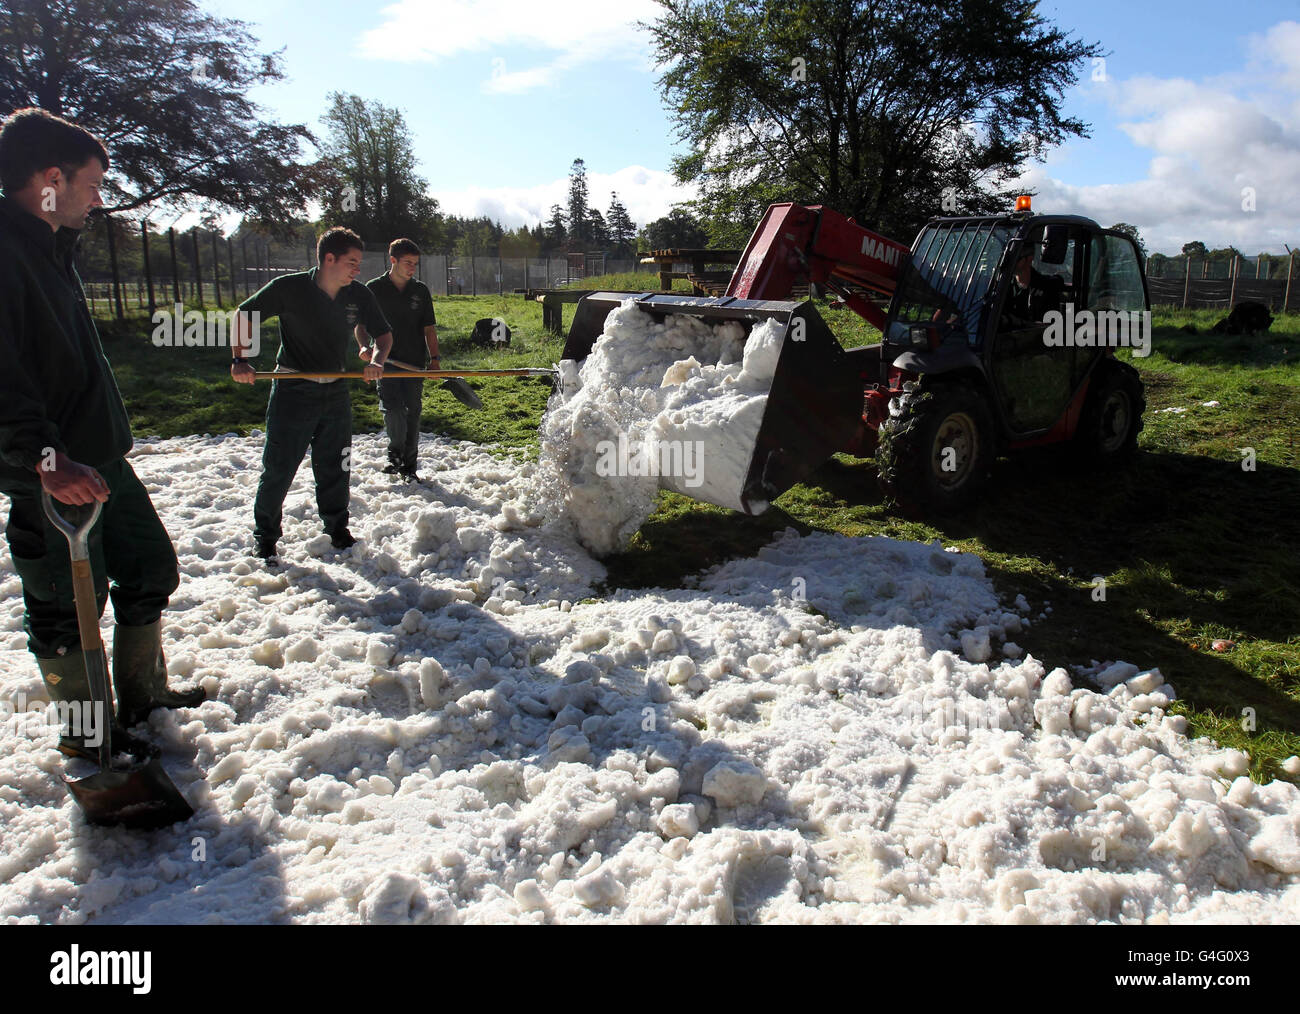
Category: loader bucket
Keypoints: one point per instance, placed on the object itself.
(814, 406)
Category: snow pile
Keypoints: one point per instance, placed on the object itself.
(676, 404)
(434, 727)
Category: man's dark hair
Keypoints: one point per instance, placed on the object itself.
(399, 248)
(33, 140)
(337, 241)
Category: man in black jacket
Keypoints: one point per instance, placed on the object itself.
(64, 429)
(408, 308)
(1033, 295)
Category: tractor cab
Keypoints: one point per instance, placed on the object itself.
(1023, 310)
(1002, 297)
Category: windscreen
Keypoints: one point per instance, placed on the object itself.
(949, 273)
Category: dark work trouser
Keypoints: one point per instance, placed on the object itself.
(129, 547)
(402, 401)
(302, 414)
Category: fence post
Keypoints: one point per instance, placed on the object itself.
(198, 278)
(1187, 280)
(230, 262)
(1290, 270)
(473, 274)
(216, 272)
(176, 282)
(1232, 292)
(501, 277)
(148, 271)
(112, 260)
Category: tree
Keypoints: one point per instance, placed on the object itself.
(519, 242)
(677, 229)
(1225, 253)
(556, 232)
(597, 230)
(479, 239)
(577, 215)
(1131, 230)
(370, 182)
(622, 230)
(164, 85)
(1195, 249)
(887, 110)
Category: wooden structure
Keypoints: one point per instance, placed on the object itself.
(702, 280)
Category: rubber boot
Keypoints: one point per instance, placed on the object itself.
(140, 675)
(66, 680)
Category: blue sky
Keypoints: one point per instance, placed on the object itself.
(1195, 105)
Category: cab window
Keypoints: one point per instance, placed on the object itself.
(1115, 276)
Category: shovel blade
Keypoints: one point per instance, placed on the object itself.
(462, 392)
(141, 797)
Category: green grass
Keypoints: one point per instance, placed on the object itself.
(627, 281)
(1192, 547)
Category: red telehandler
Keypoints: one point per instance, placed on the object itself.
(961, 375)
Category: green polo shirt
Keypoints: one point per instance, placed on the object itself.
(409, 310)
(315, 331)
(56, 388)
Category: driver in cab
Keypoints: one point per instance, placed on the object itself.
(1033, 295)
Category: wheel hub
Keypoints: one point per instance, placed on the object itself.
(1115, 415)
(956, 442)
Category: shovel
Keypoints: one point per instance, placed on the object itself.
(139, 796)
(455, 386)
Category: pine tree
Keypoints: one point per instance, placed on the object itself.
(578, 203)
(597, 230)
(622, 230)
(556, 233)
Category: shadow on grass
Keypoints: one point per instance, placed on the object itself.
(1186, 544)
(1271, 348)
(685, 537)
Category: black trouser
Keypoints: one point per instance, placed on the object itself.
(402, 401)
(128, 546)
(302, 414)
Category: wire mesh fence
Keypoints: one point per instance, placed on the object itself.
(124, 271)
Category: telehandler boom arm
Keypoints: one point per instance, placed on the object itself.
(795, 242)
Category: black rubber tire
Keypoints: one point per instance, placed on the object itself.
(923, 423)
(1112, 415)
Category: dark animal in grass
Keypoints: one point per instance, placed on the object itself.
(1245, 318)
(490, 331)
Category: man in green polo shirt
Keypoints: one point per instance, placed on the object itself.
(318, 311)
(408, 307)
(64, 430)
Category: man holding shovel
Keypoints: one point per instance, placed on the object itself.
(318, 310)
(408, 307)
(64, 431)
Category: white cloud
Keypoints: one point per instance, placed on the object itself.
(576, 32)
(646, 193)
(1208, 141)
